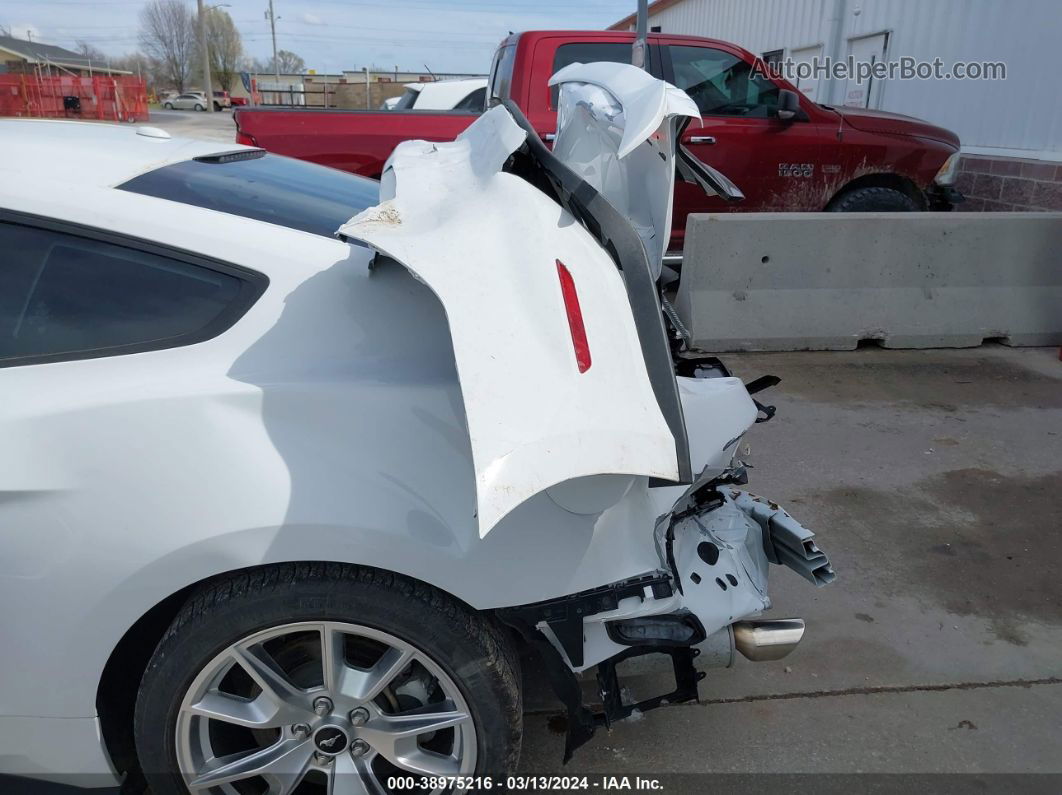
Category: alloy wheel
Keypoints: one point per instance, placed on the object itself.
(321, 706)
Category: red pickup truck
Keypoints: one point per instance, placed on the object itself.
(809, 157)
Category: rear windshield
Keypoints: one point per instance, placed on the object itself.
(587, 52)
(280, 190)
(407, 100)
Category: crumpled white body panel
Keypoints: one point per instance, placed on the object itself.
(614, 130)
(487, 243)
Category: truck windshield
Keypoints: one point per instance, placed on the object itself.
(501, 73)
(265, 187)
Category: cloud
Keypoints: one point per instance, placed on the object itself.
(310, 19)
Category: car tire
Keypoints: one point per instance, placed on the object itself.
(168, 106)
(877, 200)
(217, 108)
(199, 107)
(254, 614)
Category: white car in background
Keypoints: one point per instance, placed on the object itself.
(282, 505)
(469, 94)
(190, 100)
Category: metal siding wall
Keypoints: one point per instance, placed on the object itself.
(757, 25)
(1019, 116)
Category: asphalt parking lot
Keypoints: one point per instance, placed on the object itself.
(934, 481)
(208, 126)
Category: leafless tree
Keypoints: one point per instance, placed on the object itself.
(289, 63)
(167, 35)
(143, 67)
(89, 50)
(226, 48)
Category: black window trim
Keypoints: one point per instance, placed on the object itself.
(252, 285)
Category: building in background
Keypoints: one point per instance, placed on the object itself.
(1011, 129)
(21, 56)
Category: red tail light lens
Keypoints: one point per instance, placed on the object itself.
(575, 318)
(244, 138)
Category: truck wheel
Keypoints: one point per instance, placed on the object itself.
(324, 673)
(877, 200)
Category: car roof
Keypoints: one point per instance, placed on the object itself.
(69, 171)
(94, 154)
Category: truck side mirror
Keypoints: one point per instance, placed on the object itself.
(788, 105)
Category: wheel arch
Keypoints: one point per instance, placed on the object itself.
(903, 184)
(119, 682)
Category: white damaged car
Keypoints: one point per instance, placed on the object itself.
(282, 506)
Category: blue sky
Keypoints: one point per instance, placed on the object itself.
(330, 35)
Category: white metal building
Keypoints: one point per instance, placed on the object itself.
(1018, 117)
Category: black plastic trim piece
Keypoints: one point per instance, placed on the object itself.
(686, 679)
(252, 285)
(687, 365)
(565, 614)
(689, 622)
(762, 383)
(581, 721)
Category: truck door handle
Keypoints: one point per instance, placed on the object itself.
(548, 137)
(702, 139)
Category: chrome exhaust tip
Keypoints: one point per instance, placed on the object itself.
(765, 639)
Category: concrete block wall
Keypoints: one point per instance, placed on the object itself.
(1003, 184)
(826, 281)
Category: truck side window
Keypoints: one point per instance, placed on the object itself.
(722, 84)
(587, 52)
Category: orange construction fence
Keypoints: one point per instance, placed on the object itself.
(121, 98)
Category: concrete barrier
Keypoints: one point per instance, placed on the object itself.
(826, 281)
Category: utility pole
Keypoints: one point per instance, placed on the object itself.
(638, 54)
(203, 46)
(273, 29)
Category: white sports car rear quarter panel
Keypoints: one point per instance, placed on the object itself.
(326, 424)
(489, 245)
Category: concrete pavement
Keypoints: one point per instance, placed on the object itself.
(191, 124)
(934, 481)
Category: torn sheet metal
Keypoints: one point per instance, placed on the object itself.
(491, 247)
(791, 544)
(615, 130)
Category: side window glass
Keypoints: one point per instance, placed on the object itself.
(722, 84)
(64, 296)
(474, 101)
